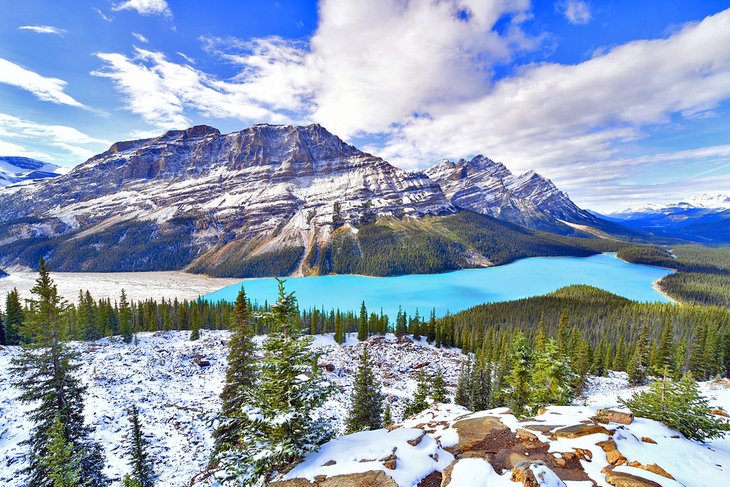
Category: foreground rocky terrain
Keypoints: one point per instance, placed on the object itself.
(176, 383)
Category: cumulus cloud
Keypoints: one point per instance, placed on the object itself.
(140, 37)
(576, 11)
(46, 89)
(145, 7)
(43, 29)
(70, 140)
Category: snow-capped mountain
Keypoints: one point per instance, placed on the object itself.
(197, 193)
(19, 169)
(703, 218)
(488, 187)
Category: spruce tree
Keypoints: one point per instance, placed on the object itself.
(362, 324)
(387, 415)
(45, 374)
(518, 396)
(638, 365)
(125, 318)
(552, 378)
(339, 329)
(463, 385)
(563, 333)
(139, 459)
(438, 391)
(239, 374)
(366, 399)
(289, 385)
(400, 323)
(61, 461)
(2, 330)
(13, 318)
(419, 402)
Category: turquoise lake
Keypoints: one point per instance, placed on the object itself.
(458, 290)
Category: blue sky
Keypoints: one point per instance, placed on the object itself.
(620, 103)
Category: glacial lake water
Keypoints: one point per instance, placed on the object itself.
(458, 290)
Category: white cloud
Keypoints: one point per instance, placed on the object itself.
(145, 7)
(46, 89)
(43, 29)
(576, 11)
(187, 58)
(103, 16)
(140, 37)
(68, 139)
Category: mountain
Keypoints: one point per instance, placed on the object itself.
(488, 187)
(266, 200)
(703, 219)
(19, 169)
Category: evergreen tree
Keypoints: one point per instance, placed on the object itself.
(665, 349)
(2, 330)
(638, 365)
(679, 405)
(518, 379)
(480, 393)
(563, 333)
(45, 374)
(438, 391)
(61, 462)
(366, 399)
(420, 399)
(13, 318)
(387, 415)
(139, 460)
(400, 323)
(125, 318)
(339, 329)
(289, 386)
(362, 325)
(552, 378)
(463, 385)
(541, 334)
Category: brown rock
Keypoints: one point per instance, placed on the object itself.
(654, 468)
(720, 412)
(583, 454)
(613, 456)
(613, 416)
(578, 430)
(390, 462)
(522, 473)
(416, 441)
(329, 463)
(328, 367)
(375, 478)
(291, 483)
(526, 435)
(487, 433)
(646, 439)
(622, 479)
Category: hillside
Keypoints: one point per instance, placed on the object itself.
(176, 382)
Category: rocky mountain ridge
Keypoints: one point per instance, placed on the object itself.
(15, 170)
(266, 200)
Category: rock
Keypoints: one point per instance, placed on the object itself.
(720, 412)
(203, 363)
(291, 483)
(329, 463)
(535, 474)
(622, 479)
(526, 435)
(487, 433)
(328, 367)
(653, 468)
(376, 478)
(613, 456)
(578, 430)
(390, 462)
(584, 454)
(613, 416)
(416, 441)
(646, 439)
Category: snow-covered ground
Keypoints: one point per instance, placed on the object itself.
(138, 285)
(177, 397)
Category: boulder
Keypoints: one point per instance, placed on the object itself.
(653, 468)
(486, 433)
(613, 456)
(613, 416)
(646, 439)
(373, 478)
(578, 430)
(623, 479)
(535, 474)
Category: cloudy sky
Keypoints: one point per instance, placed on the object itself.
(619, 102)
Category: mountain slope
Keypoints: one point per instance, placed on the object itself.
(18, 169)
(704, 219)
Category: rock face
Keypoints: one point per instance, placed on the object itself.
(488, 187)
(19, 169)
(205, 195)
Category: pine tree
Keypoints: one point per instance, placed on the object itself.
(665, 350)
(678, 405)
(362, 324)
(13, 318)
(400, 323)
(541, 334)
(366, 399)
(562, 336)
(2, 330)
(438, 391)
(125, 318)
(339, 329)
(518, 396)
(420, 398)
(638, 365)
(463, 385)
(61, 462)
(289, 386)
(45, 374)
(552, 378)
(139, 460)
(387, 416)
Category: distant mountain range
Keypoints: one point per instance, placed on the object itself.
(703, 219)
(20, 169)
(277, 200)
